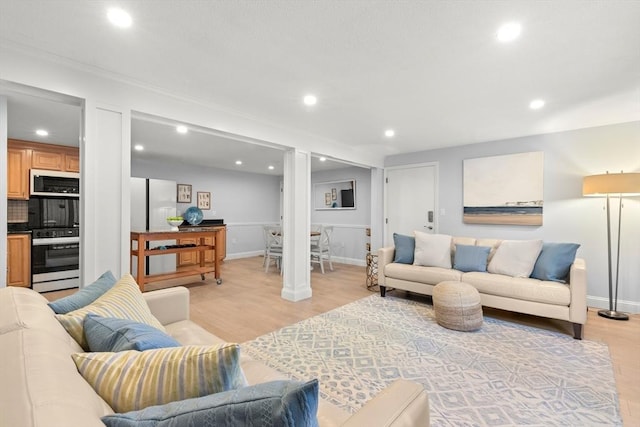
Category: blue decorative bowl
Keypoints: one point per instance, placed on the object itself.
(193, 215)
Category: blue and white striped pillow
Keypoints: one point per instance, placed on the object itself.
(132, 380)
(123, 301)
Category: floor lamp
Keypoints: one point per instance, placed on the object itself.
(612, 185)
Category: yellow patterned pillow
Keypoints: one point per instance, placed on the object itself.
(123, 301)
(132, 380)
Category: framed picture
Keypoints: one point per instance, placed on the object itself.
(204, 200)
(504, 189)
(334, 194)
(184, 193)
(327, 199)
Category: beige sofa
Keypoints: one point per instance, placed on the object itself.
(523, 295)
(42, 387)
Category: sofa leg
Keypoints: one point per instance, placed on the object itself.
(577, 331)
(383, 291)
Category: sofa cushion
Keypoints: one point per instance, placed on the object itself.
(123, 301)
(554, 262)
(420, 274)
(515, 258)
(23, 308)
(404, 248)
(132, 380)
(471, 258)
(276, 403)
(84, 296)
(432, 250)
(40, 383)
(111, 334)
(526, 289)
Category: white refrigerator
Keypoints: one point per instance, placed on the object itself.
(152, 201)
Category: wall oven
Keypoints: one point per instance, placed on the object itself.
(55, 242)
(55, 259)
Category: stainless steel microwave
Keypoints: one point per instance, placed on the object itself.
(54, 183)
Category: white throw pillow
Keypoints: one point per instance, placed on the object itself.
(432, 250)
(515, 258)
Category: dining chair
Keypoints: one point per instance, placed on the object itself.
(273, 246)
(321, 248)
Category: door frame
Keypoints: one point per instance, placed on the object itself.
(436, 195)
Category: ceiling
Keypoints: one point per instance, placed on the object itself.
(431, 70)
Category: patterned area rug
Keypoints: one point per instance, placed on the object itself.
(505, 374)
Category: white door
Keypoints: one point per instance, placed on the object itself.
(410, 200)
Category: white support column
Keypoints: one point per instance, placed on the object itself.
(377, 209)
(105, 168)
(3, 190)
(295, 226)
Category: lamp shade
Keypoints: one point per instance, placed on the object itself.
(611, 183)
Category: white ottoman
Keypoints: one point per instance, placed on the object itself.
(457, 306)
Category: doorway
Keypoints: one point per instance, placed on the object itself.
(410, 200)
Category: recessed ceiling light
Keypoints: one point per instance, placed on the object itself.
(271, 167)
(119, 17)
(509, 32)
(182, 129)
(238, 162)
(323, 159)
(310, 100)
(536, 104)
(138, 147)
(42, 132)
(389, 133)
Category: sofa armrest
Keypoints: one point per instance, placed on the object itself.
(578, 286)
(169, 305)
(385, 256)
(403, 403)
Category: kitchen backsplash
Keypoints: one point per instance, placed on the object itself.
(17, 211)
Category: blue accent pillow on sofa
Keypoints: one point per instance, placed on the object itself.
(274, 403)
(554, 262)
(405, 248)
(108, 334)
(84, 296)
(471, 258)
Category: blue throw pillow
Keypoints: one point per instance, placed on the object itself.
(405, 248)
(471, 258)
(84, 296)
(274, 403)
(108, 334)
(554, 261)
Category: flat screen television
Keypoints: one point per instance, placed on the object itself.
(347, 198)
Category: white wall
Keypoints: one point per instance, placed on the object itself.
(245, 201)
(349, 235)
(568, 216)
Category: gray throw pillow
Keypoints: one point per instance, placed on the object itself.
(405, 248)
(84, 296)
(275, 403)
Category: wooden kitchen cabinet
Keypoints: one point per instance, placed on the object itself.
(56, 158)
(19, 260)
(18, 164)
(45, 159)
(72, 162)
(193, 258)
(46, 156)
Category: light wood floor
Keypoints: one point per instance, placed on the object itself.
(248, 304)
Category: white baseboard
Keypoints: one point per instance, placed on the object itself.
(339, 260)
(625, 306)
(239, 255)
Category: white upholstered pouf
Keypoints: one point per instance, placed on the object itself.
(457, 306)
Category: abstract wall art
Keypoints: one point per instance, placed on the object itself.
(504, 189)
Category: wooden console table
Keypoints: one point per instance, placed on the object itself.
(141, 252)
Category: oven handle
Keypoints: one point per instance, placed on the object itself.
(54, 241)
